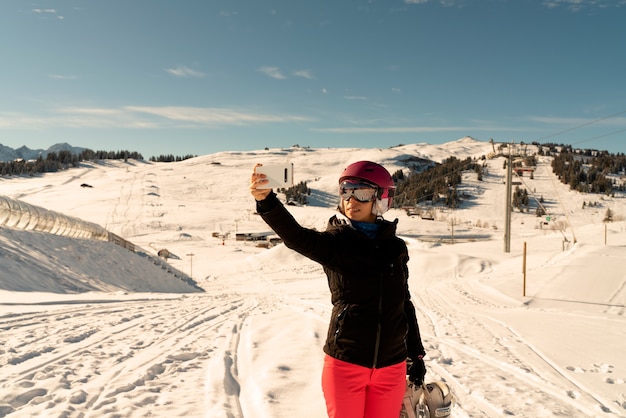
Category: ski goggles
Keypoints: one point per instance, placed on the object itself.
(362, 192)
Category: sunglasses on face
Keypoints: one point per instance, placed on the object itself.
(362, 192)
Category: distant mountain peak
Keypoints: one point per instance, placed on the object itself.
(25, 153)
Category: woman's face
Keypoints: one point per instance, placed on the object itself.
(358, 211)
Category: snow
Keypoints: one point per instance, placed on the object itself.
(91, 329)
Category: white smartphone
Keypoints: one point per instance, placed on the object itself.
(280, 176)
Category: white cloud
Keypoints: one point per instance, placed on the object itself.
(62, 77)
(391, 129)
(396, 90)
(578, 5)
(573, 5)
(98, 111)
(444, 3)
(580, 122)
(304, 74)
(47, 12)
(182, 71)
(273, 72)
(410, 129)
(143, 117)
(212, 115)
(355, 97)
(199, 116)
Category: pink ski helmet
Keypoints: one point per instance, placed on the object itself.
(376, 175)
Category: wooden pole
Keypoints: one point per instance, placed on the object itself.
(507, 209)
(524, 271)
(190, 255)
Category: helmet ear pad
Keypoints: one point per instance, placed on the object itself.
(381, 206)
(383, 202)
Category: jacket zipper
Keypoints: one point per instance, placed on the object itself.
(379, 319)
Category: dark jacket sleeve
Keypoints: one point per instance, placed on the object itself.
(415, 346)
(266, 205)
(414, 339)
(308, 242)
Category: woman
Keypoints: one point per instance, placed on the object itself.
(373, 328)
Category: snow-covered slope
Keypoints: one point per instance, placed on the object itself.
(250, 345)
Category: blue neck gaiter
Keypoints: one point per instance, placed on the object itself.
(369, 229)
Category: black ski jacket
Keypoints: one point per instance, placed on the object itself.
(373, 321)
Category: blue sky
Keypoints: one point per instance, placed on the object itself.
(202, 76)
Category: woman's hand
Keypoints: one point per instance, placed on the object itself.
(256, 180)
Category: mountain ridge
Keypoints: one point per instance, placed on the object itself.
(11, 154)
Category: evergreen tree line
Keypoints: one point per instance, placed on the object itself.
(437, 183)
(589, 173)
(520, 199)
(297, 193)
(61, 161)
(169, 158)
(554, 149)
(583, 170)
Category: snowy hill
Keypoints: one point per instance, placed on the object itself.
(133, 345)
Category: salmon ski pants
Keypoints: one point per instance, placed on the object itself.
(353, 391)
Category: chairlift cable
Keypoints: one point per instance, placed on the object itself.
(586, 124)
(599, 136)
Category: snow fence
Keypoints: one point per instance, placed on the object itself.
(21, 215)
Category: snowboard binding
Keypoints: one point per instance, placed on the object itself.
(428, 400)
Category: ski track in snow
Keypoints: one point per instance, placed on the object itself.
(456, 321)
(124, 358)
(119, 356)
